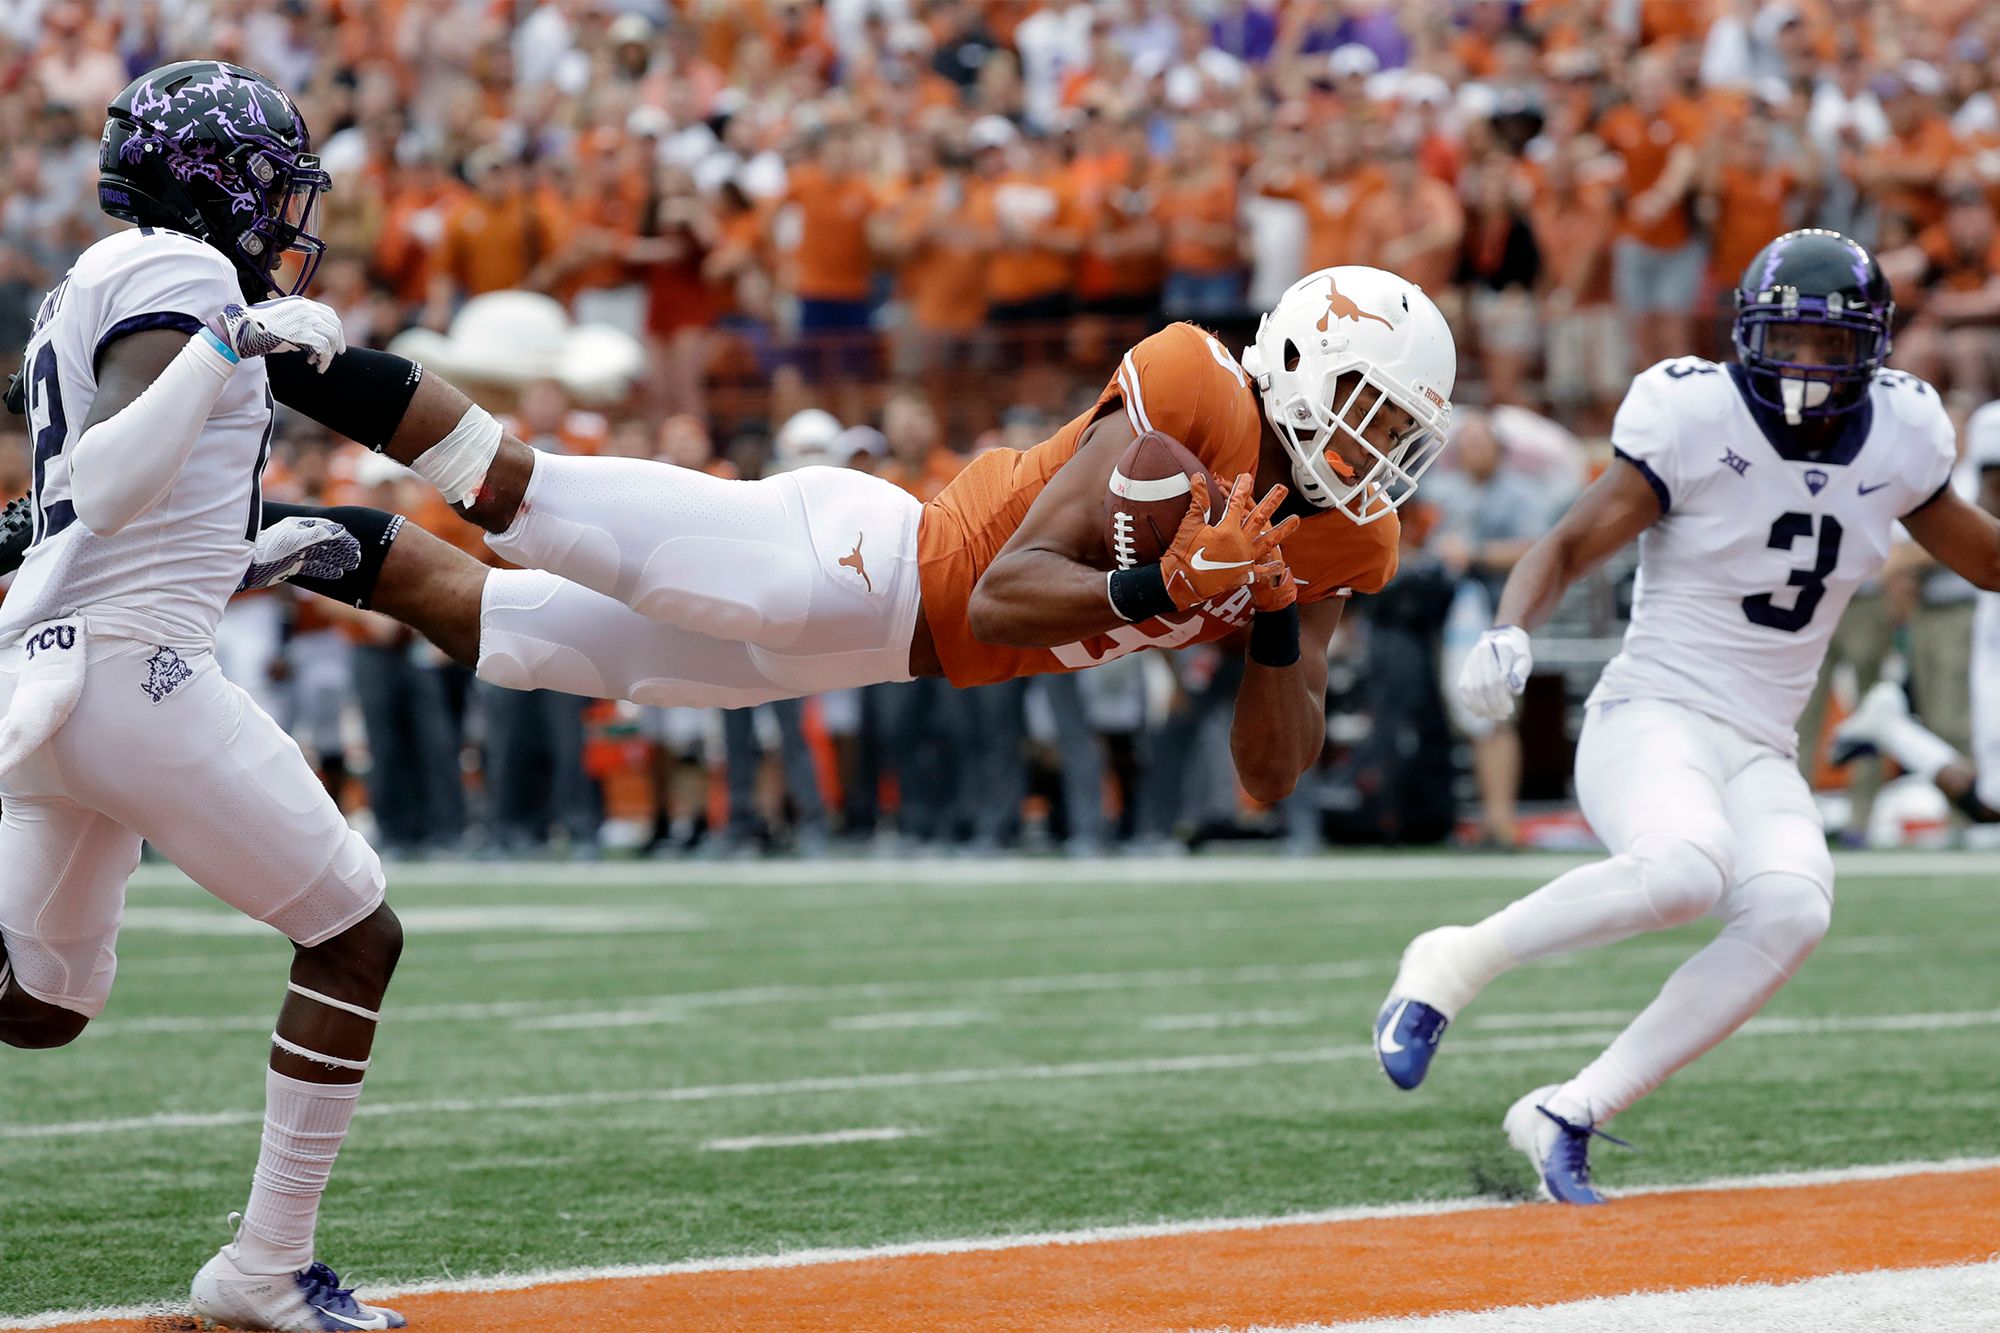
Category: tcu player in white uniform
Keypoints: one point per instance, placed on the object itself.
(1762, 494)
(150, 411)
(1883, 721)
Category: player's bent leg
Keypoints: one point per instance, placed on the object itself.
(1651, 782)
(540, 632)
(753, 561)
(29, 1024)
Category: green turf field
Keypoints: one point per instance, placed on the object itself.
(1065, 1046)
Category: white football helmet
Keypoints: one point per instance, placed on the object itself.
(1382, 331)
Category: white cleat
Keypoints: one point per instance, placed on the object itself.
(1558, 1148)
(1864, 731)
(308, 1301)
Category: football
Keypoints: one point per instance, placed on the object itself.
(1148, 497)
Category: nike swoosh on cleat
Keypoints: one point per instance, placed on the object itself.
(1870, 490)
(331, 1314)
(1200, 560)
(1387, 1042)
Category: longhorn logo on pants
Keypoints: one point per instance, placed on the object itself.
(852, 560)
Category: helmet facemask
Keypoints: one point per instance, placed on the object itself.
(1319, 429)
(1803, 390)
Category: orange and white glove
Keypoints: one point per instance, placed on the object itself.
(1207, 560)
(1272, 587)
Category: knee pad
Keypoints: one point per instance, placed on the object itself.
(756, 591)
(350, 889)
(1784, 917)
(1683, 878)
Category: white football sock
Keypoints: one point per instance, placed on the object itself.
(1660, 882)
(1918, 750)
(304, 1124)
(1707, 998)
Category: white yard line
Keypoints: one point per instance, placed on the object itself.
(1919, 1300)
(1249, 1018)
(884, 1134)
(672, 1006)
(1331, 869)
(1084, 1236)
(1141, 1066)
(911, 1018)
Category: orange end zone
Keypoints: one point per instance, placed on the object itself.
(1288, 1274)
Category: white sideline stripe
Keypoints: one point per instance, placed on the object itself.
(540, 918)
(1574, 1018)
(1036, 1240)
(1139, 1066)
(1249, 1018)
(1884, 1301)
(914, 1018)
(672, 1006)
(885, 1134)
(946, 873)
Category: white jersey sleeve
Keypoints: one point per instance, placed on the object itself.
(170, 282)
(1927, 434)
(1665, 422)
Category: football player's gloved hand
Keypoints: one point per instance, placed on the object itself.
(288, 324)
(1272, 587)
(1497, 670)
(1207, 560)
(318, 548)
(17, 529)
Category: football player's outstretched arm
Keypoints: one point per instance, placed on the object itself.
(1963, 537)
(1046, 587)
(1280, 724)
(1614, 510)
(1617, 507)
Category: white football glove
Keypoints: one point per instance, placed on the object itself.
(288, 324)
(1497, 670)
(318, 548)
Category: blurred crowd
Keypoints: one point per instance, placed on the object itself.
(934, 224)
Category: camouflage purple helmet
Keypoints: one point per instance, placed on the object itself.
(1823, 279)
(219, 152)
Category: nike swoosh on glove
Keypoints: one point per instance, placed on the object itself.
(1207, 560)
(1495, 671)
(317, 548)
(287, 324)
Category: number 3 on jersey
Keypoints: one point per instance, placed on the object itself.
(1762, 609)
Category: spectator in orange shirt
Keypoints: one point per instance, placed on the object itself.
(1575, 219)
(1330, 185)
(678, 229)
(1030, 214)
(499, 239)
(1412, 226)
(1198, 207)
(1952, 275)
(1903, 173)
(1118, 270)
(1751, 192)
(1658, 262)
(833, 264)
(941, 260)
(1500, 266)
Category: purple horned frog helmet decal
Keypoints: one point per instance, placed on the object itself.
(222, 153)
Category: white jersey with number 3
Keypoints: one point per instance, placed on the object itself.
(1759, 549)
(164, 577)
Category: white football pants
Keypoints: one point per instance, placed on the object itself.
(1701, 821)
(671, 587)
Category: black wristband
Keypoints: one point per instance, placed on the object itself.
(1139, 594)
(1274, 637)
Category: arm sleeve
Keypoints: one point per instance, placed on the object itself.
(123, 465)
(1643, 435)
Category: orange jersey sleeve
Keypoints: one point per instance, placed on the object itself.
(1182, 383)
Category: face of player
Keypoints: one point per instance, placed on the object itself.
(1382, 431)
(1810, 344)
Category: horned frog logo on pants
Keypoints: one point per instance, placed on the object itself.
(166, 672)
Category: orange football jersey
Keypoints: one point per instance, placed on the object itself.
(1180, 382)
